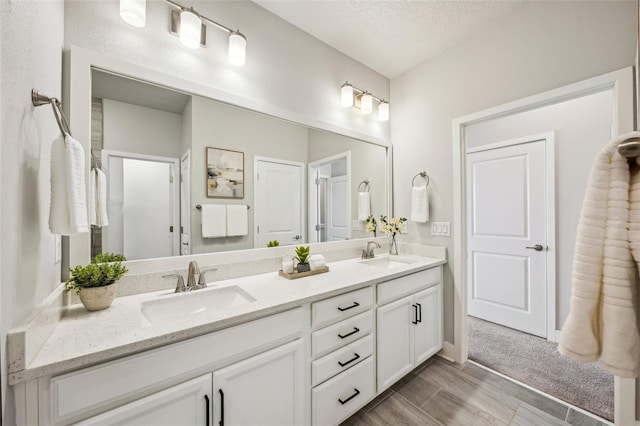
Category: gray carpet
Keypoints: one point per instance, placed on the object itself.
(537, 363)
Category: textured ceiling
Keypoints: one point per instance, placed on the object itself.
(390, 37)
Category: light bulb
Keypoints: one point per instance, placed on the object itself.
(190, 28)
(237, 48)
(383, 111)
(134, 12)
(346, 93)
(366, 103)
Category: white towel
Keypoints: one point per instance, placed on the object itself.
(420, 204)
(364, 205)
(316, 261)
(237, 220)
(68, 210)
(214, 221)
(602, 321)
(98, 198)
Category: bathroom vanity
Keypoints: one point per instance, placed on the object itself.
(309, 351)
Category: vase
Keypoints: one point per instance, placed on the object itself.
(98, 298)
(303, 267)
(393, 245)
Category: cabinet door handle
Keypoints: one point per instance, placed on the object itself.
(355, 304)
(221, 423)
(356, 393)
(419, 312)
(415, 311)
(206, 398)
(355, 330)
(342, 364)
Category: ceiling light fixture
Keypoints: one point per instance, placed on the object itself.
(352, 96)
(134, 12)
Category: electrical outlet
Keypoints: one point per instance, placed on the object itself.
(357, 225)
(58, 249)
(441, 229)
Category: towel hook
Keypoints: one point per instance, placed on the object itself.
(366, 185)
(423, 175)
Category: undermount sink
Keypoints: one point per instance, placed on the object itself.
(194, 304)
(386, 262)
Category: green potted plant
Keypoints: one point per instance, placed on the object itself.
(96, 283)
(302, 255)
(274, 243)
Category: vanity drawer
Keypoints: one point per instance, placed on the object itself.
(409, 284)
(338, 335)
(340, 307)
(341, 360)
(338, 398)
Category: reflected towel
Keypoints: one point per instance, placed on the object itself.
(316, 261)
(68, 209)
(214, 221)
(98, 198)
(237, 220)
(420, 204)
(364, 205)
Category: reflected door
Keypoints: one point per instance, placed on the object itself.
(337, 198)
(185, 202)
(507, 236)
(278, 202)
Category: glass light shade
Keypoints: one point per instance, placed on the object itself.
(237, 48)
(366, 103)
(190, 29)
(134, 12)
(383, 111)
(346, 94)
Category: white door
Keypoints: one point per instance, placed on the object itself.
(506, 238)
(395, 341)
(337, 219)
(185, 404)
(428, 332)
(278, 202)
(267, 389)
(185, 202)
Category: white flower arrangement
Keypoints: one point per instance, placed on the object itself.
(393, 226)
(372, 226)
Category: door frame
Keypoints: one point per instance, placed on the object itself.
(622, 85)
(303, 204)
(185, 199)
(312, 202)
(550, 232)
(175, 185)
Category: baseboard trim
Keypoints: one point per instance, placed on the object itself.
(447, 352)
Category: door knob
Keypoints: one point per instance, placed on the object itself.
(537, 247)
(297, 237)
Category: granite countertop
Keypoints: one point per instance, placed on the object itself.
(83, 338)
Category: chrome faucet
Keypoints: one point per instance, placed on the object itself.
(368, 253)
(191, 276)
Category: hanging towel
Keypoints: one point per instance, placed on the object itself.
(214, 221)
(316, 261)
(68, 209)
(419, 204)
(237, 220)
(602, 321)
(98, 198)
(364, 205)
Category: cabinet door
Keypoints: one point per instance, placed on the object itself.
(267, 389)
(395, 346)
(428, 331)
(184, 404)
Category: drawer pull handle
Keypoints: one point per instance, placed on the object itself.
(419, 312)
(342, 364)
(221, 422)
(206, 399)
(415, 308)
(355, 305)
(355, 330)
(356, 393)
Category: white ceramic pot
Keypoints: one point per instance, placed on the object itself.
(98, 298)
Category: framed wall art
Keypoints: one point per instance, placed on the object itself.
(225, 173)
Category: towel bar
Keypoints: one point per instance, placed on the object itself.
(199, 207)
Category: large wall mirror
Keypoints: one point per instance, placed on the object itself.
(179, 164)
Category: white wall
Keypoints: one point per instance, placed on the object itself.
(544, 45)
(134, 128)
(31, 46)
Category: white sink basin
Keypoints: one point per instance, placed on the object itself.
(386, 262)
(193, 305)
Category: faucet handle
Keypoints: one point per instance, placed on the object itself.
(202, 279)
(180, 287)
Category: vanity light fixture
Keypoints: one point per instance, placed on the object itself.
(190, 28)
(352, 96)
(134, 12)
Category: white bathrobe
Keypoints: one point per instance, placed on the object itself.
(603, 319)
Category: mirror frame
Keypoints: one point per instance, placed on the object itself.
(78, 65)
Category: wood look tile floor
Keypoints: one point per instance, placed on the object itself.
(442, 393)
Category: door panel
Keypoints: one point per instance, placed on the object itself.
(337, 220)
(507, 212)
(428, 332)
(394, 351)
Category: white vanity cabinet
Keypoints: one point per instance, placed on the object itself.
(409, 324)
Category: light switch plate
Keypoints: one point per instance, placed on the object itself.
(441, 229)
(357, 225)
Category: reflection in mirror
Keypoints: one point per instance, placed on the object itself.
(298, 183)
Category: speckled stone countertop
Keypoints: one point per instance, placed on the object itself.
(83, 338)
